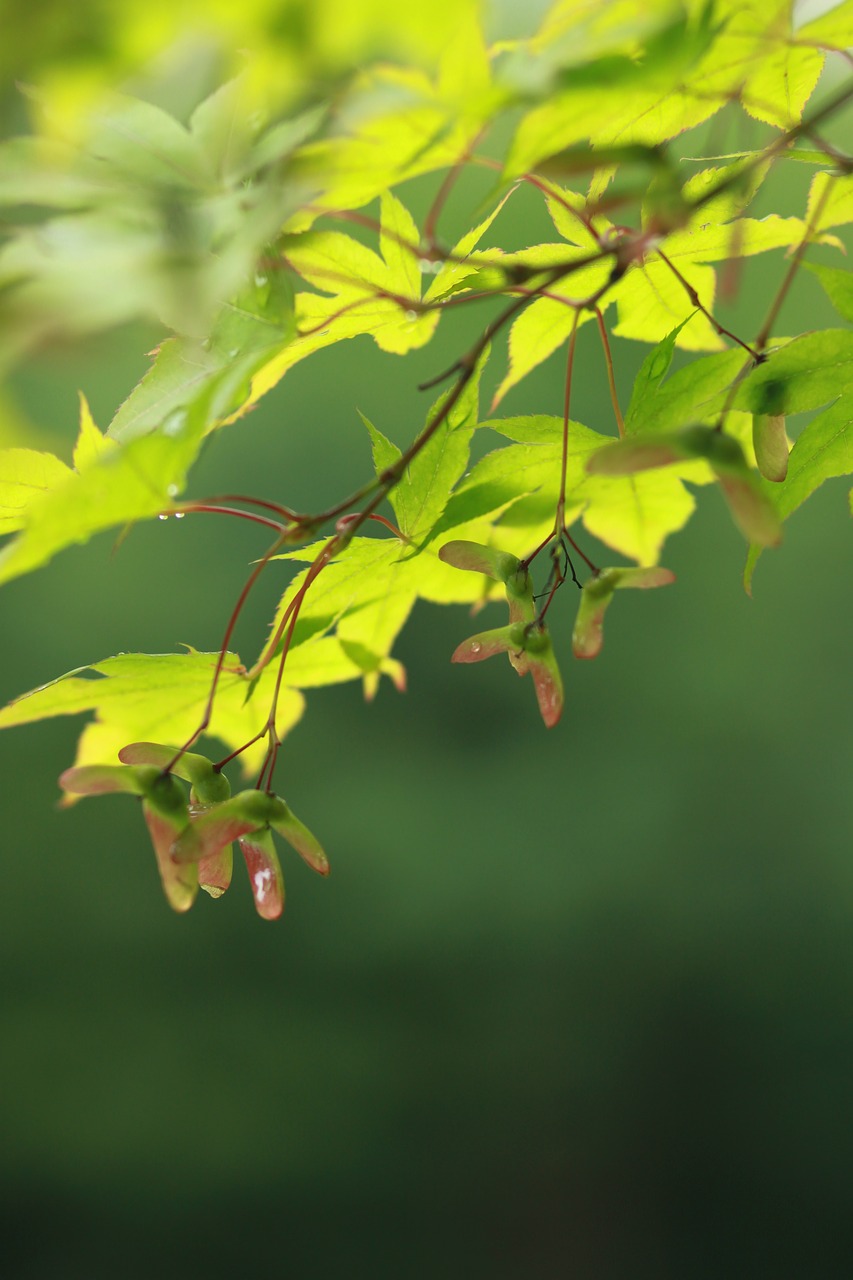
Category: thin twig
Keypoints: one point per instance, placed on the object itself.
(611, 380)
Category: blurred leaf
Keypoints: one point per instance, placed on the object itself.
(832, 30)
(25, 475)
(185, 373)
(122, 485)
(834, 196)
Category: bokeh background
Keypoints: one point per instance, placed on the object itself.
(571, 1003)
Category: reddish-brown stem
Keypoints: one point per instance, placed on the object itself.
(343, 277)
(287, 628)
(289, 617)
(329, 549)
(346, 521)
(796, 261)
(220, 764)
(559, 579)
(430, 249)
(611, 380)
(214, 509)
(448, 183)
(220, 661)
(700, 306)
(775, 306)
(547, 189)
(334, 315)
(377, 489)
(593, 568)
(560, 520)
(465, 367)
(781, 143)
(255, 502)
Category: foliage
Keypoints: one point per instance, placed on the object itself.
(258, 226)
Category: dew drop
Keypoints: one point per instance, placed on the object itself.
(179, 515)
(411, 315)
(260, 281)
(475, 648)
(162, 516)
(425, 266)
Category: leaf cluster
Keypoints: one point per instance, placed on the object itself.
(256, 227)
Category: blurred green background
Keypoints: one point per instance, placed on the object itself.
(572, 1003)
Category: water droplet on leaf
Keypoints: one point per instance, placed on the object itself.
(179, 515)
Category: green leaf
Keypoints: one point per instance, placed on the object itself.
(157, 698)
(376, 295)
(25, 476)
(91, 445)
(823, 450)
(804, 374)
(652, 302)
(132, 483)
(223, 127)
(454, 272)
(714, 241)
(427, 483)
(185, 371)
(385, 454)
(139, 141)
(544, 326)
(751, 510)
(399, 244)
(695, 393)
(833, 30)
(648, 381)
(632, 514)
(834, 197)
